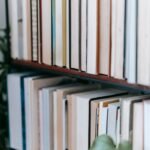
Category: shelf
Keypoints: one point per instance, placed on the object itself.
(82, 75)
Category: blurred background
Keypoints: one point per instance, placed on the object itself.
(4, 68)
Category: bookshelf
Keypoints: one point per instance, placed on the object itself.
(81, 75)
(33, 90)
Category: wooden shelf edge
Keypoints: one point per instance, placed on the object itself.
(79, 74)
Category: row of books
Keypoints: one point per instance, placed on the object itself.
(59, 113)
(109, 37)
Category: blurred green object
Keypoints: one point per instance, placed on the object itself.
(104, 142)
(125, 146)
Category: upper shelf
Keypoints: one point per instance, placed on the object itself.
(81, 75)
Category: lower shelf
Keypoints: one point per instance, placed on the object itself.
(82, 75)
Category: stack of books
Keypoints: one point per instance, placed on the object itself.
(108, 37)
(59, 113)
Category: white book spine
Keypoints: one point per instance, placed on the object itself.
(46, 32)
(92, 37)
(112, 121)
(138, 126)
(41, 116)
(113, 36)
(82, 119)
(131, 25)
(118, 127)
(83, 35)
(118, 10)
(48, 112)
(28, 116)
(103, 127)
(59, 44)
(143, 42)
(75, 34)
(55, 119)
(104, 26)
(125, 126)
(26, 30)
(15, 117)
(59, 32)
(146, 125)
(20, 29)
(14, 29)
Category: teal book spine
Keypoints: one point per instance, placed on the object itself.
(53, 31)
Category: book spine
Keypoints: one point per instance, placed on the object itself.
(34, 26)
(39, 31)
(53, 33)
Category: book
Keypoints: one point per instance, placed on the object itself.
(61, 96)
(83, 30)
(20, 28)
(146, 124)
(47, 116)
(34, 29)
(56, 116)
(118, 139)
(60, 51)
(68, 33)
(104, 36)
(117, 38)
(17, 34)
(39, 21)
(113, 109)
(32, 86)
(14, 30)
(46, 15)
(127, 116)
(94, 116)
(53, 32)
(103, 112)
(143, 68)
(75, 35)
(55, 119)
(131, 41)
(15, 105)
(92, 37)
(27, 30)
(138, 126)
